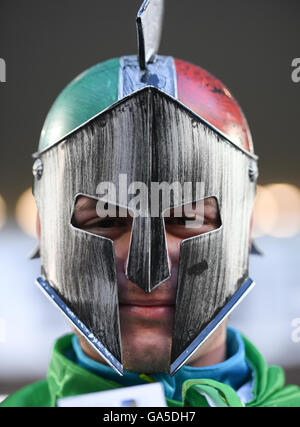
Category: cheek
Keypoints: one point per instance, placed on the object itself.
(121, 248)
(173, 244)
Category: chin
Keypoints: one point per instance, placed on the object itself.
(147, 351)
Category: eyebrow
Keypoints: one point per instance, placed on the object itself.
(89, 204)
(210, 201)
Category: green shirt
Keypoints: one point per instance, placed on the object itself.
(65, 378)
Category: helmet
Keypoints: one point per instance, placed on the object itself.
(102, 85)
(145, 119)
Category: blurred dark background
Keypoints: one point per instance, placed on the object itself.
(249, 45)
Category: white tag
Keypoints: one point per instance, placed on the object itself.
(146, 395)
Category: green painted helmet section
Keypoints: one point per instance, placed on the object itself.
(89, 93)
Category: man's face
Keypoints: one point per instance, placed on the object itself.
(146, 320)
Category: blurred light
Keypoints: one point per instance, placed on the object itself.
(277, 211)
(2, 212)
(287, 197)
(265, 212)
(26, 212)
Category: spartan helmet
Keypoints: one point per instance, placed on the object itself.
(153, 119)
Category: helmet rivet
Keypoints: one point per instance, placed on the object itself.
(253, 171)
(37, 169)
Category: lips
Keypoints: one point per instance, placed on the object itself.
(135, 304)
(146, 303)
(147, 311)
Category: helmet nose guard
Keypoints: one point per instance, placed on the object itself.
(148, 264)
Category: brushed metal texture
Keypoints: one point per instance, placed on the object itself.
(50, 293)
(150, 137)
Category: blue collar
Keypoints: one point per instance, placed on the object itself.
(234, 371)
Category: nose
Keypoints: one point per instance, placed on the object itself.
(148, 261)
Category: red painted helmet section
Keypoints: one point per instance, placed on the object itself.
(209, 98)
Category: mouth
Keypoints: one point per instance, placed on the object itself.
(150, 310)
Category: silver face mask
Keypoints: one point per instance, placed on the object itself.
(149, 137)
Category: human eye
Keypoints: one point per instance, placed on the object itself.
(193, 219)
(86, 218)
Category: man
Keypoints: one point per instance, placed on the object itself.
(145, 180)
